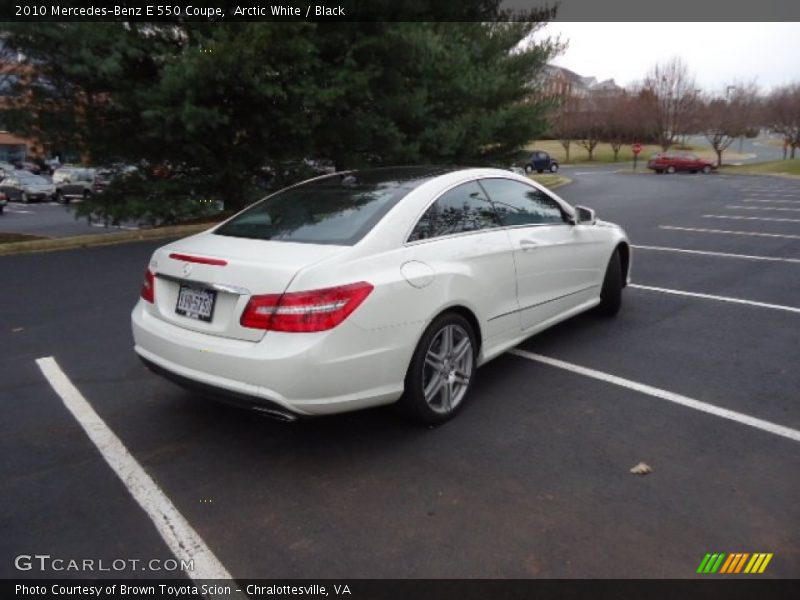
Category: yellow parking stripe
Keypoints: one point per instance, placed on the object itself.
(753, 564)
(765, 563)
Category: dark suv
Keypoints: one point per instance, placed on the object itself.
(540, 161)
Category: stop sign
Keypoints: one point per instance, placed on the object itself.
(637, 148)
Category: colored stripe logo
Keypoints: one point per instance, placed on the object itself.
(735, 562)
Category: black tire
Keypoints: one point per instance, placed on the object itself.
(413, 402)
(87, 194)
(23, 197)
(611, 292)
(554, 168)
(706, 170)
(529, 168)
(59, 197)
(2, 208)
(670, 169)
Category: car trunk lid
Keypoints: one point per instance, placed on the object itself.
(204, 282)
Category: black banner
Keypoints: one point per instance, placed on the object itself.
(394, 10)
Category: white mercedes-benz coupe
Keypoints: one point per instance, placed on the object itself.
(370, 287)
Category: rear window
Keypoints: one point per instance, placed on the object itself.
(340, 209)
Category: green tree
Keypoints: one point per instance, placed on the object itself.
(210, 111)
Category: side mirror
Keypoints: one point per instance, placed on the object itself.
(584, 216)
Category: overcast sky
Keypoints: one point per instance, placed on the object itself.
(717, 53)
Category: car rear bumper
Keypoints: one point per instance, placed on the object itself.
(347, 368)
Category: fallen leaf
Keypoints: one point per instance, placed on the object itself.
(641, 469)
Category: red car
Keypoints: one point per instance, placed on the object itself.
(669, 162)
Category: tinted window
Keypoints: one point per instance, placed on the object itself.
(464, 208)
(340, 209)
(520, 204)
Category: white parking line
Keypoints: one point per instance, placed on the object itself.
(771, 200)
(751, 233)
(179, 535)
(721, 254)
(712, 409)
(780, 208)
(745, 218)
(730, 299)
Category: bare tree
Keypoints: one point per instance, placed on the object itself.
(728, 116)
(589, 124)
(619, 118)
(782, 115)
(673, 97)
(563, 123)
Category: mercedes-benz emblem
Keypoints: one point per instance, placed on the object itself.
(187, 268)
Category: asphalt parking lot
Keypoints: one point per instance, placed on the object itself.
(530, 480)
(50, 219)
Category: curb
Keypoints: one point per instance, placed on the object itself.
(101, 239)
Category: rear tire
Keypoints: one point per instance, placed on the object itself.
(442, 370)
(24, 198)
(611, 292)
(670, 169)
(554, 168)
(706, 170)
(528, 168)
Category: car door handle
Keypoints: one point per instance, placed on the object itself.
(527, 245)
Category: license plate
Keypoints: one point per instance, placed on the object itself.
(196, 303)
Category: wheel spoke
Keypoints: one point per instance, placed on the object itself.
(434, 386)
(460, 350)
(434, 361)
(447, 346)
(461, 378)
(447, 397)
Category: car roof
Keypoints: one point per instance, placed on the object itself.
(407, 176)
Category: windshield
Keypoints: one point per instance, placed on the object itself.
(339, 209)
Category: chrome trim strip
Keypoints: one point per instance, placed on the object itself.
(586, 289)
(220, 287)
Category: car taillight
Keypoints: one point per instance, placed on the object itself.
(316, 310)
(148, 287)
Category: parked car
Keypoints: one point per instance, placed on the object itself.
(3, 202)
(74, 183)
(540, 162)
(670, 162)
(366, 288)
(30, 167)
(22, 186)
(6, 169)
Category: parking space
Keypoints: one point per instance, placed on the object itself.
(531, 480)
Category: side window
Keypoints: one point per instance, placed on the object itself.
(520, 204)
(464, 208)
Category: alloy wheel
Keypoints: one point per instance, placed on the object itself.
(447, 369)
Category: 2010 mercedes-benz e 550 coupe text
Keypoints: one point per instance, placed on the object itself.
(363, 288)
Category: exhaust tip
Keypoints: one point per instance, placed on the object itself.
(278, 415)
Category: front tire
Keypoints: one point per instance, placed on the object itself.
(670, 169)
(554, 168)
(441, 371)
(611, 292)
(24, 198)
(529, 169)
(706, 170)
